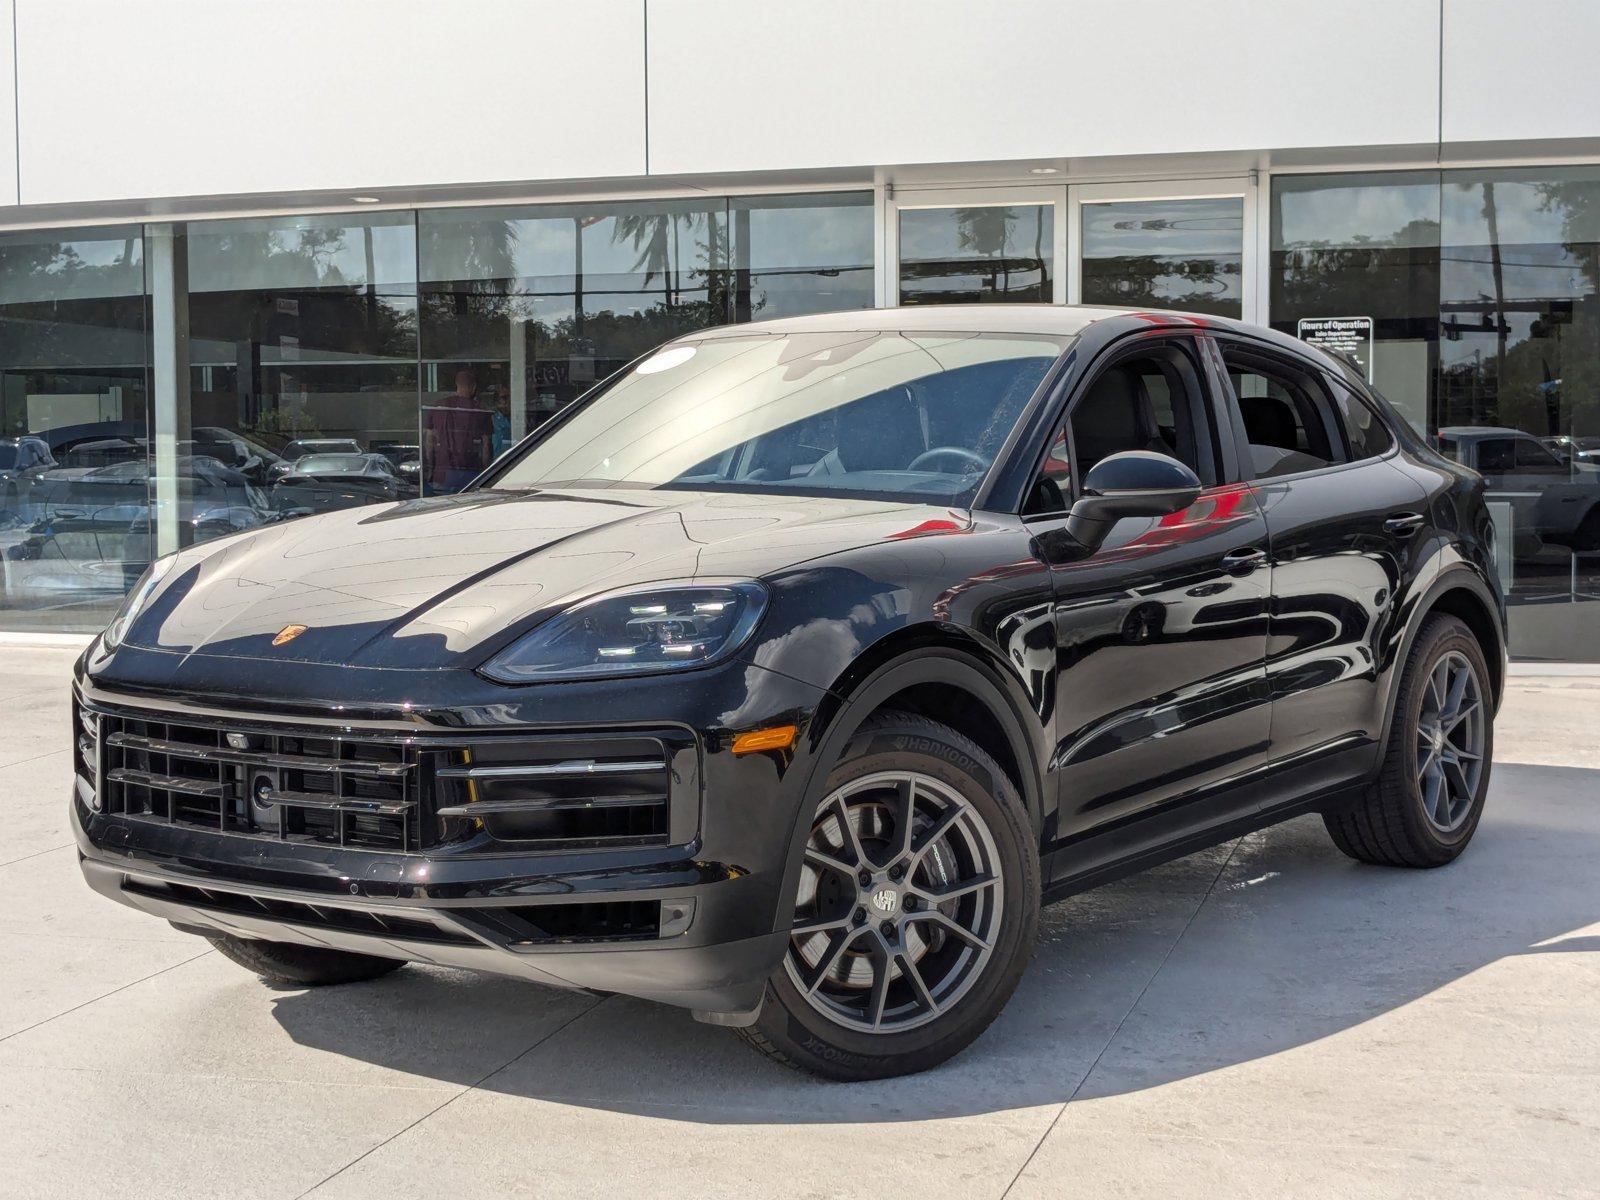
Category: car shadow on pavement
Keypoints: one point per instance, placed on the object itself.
(1228, 956)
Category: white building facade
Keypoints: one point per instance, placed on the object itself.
(231, 230)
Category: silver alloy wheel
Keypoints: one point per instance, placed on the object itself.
(899, 903)
(1450, 741)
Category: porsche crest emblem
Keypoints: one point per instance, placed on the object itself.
(288, 634)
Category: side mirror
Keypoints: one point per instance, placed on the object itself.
(1134, 483)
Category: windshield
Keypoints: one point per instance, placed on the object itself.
(331, 464)
(897, 415)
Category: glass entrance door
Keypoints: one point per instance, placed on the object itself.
(976, 246)
(1178, 246)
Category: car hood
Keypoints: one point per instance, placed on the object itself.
(433, 583)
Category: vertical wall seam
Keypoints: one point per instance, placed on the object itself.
(645, 7)
(16, 98)
(1439, 143)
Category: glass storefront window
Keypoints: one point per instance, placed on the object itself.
(75, 525)
(965, 255)
(167, 384)
(1183, 253)
(801, 254)
(1483, 293)
(1520, 355)
(524, 309)
(303, 369)
(1367, 247)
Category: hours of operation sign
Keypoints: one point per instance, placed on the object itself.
(1349, 336)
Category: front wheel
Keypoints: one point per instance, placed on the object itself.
(1428, 799)
(916, 911)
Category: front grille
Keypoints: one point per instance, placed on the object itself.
(341, 791)
(594, 791)
(436, 790)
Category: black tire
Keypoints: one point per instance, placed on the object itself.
(791, 1030)
(1389, 825)
(303, 966)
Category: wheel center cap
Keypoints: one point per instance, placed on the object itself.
(885, 901)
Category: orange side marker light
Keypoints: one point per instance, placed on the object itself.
(779, 737)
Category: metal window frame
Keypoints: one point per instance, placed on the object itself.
(897, 201)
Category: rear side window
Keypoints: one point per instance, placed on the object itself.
(1531, 456)
(1497, 455)
(1364, 430)
(1288, 414)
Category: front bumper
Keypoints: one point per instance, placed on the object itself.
(723, 977)
(697, 923)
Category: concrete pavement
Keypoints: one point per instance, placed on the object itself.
(1262, 1019)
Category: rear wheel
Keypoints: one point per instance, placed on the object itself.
(303, 966)
(1428, 799)
(916, 911)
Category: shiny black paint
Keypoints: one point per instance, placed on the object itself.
(1189, 678)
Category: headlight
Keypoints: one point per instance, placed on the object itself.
(636, 632)
(137, 598)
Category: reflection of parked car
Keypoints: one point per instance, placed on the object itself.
(301, 447)
(323, 482)
(233, 449)
(1551, 500)
(1567, 448)
(90, 530)
(103, 452)
(22, 462)
(406, 458)
(64, 437)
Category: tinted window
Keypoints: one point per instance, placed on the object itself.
(348, 464)
(1152, 401)
(1364, 430)
(1497, 455)
(1531, 456)
(1287, 414)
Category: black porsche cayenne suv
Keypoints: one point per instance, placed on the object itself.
(784, 675)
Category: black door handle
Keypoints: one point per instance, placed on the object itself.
(1403, 524)
(1242, 562)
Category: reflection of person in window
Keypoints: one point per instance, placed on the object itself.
(456, 437)
(500, 429)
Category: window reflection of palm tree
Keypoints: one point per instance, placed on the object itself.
(656, 236)
(987, 231)
(650, 234)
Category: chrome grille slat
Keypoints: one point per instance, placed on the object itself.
(289, 762)
(569, 769)
(478, 808)
(167, 783)
(332, 804)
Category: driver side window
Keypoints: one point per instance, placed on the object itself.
(1152, 400)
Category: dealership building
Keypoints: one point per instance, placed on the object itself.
(240, 233)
